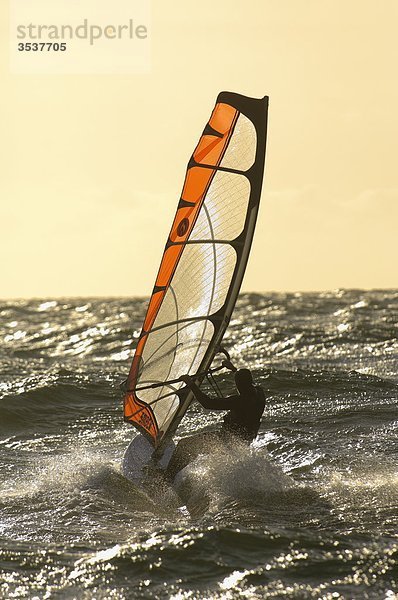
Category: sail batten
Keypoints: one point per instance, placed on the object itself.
(202, 266)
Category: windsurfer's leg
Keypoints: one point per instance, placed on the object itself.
(188, 449)
(180, 459)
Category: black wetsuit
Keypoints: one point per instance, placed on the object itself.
(241, 423)
(244, 411)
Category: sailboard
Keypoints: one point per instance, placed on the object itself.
(202, 267)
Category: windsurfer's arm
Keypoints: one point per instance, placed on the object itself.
(208, 401)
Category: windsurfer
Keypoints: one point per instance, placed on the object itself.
(240, 424)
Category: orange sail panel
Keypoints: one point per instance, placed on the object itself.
(202, 266)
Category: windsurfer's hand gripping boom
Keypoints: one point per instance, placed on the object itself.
(228, 365)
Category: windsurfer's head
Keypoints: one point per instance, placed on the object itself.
(243, 380)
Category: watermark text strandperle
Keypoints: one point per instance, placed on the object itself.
(84, 31)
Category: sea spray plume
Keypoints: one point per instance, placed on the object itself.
(233, 472)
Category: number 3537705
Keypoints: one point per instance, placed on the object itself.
(41, 46)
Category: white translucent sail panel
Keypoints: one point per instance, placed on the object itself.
(223, 214)
(170, 352)
(241, 150)
(200, 283)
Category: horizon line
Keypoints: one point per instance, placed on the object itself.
(242, 293)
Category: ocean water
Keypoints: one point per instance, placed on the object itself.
(311, 511)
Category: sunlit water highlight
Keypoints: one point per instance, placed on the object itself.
(310, 511)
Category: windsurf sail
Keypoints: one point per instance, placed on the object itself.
(202, 266)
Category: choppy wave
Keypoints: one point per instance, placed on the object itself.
(308, 512)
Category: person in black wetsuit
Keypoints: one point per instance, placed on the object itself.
(240, 424)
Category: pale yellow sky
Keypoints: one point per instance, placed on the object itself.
(93, 165)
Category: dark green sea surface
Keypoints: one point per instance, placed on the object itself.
(311, 511)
